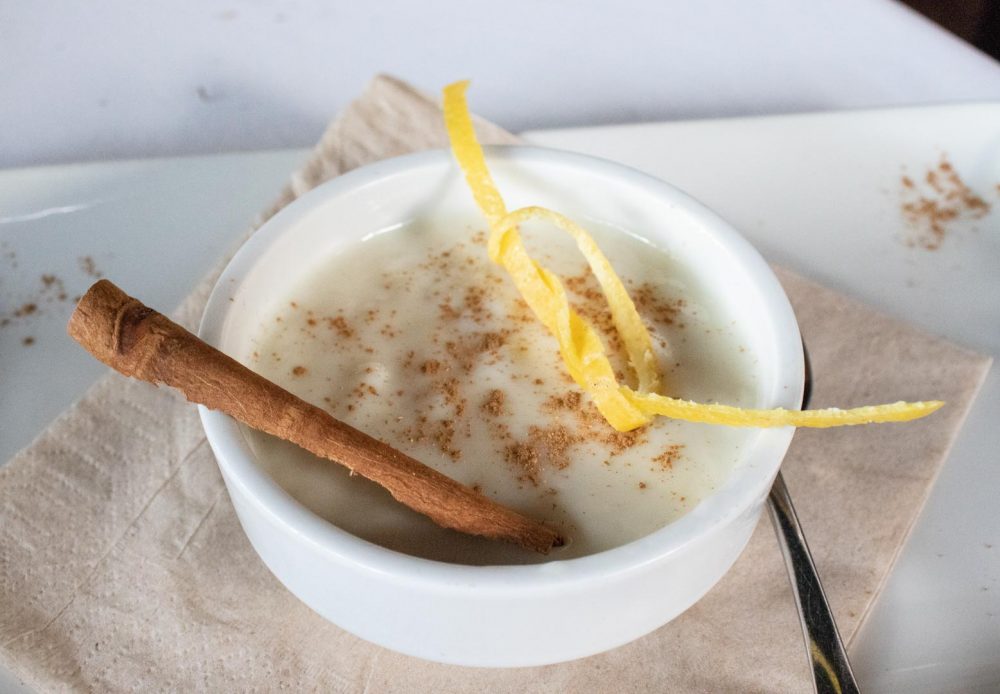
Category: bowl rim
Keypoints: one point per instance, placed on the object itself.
(746, 485)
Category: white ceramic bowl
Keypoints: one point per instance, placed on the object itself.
(503, 615)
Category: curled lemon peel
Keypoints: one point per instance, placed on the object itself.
(651, 403)
(579, 344)
(627, 322)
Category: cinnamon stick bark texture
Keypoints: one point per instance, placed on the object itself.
(137, 341)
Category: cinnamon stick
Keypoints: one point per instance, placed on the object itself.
(137, 341)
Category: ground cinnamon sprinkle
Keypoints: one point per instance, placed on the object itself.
(444, 436)
(450, 389)
(474, 302)
(555, 441)
(469, 349)
(448, 312)
(474, 324)
(50, 290)
(648, 299)
(519, 312)
(657, 310)
(51, 282)
(669, 456)
(566, 401)
(525, 458)
(589, 302)
(653, 306)
(89, 267)
(488, 342)
(595, 428)
(27, 310)
(931, 208)
(620, 441)
(493, 404)
(431, 366)
(339, 323)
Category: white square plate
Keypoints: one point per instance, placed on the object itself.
(820, 193)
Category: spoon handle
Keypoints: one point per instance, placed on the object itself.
(831, 669)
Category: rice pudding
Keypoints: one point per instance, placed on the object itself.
(413, 336)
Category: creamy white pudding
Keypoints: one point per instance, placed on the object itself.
(415, 337)
(506, 616)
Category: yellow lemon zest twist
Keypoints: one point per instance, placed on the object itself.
(579, 344)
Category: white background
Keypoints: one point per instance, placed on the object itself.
(87, 82)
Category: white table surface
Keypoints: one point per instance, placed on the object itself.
(82, 80)
(126, 80)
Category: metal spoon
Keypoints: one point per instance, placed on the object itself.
(830, 667)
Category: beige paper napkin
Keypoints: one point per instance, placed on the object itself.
(123, 567)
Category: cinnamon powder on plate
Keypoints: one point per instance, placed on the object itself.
(932, 205)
